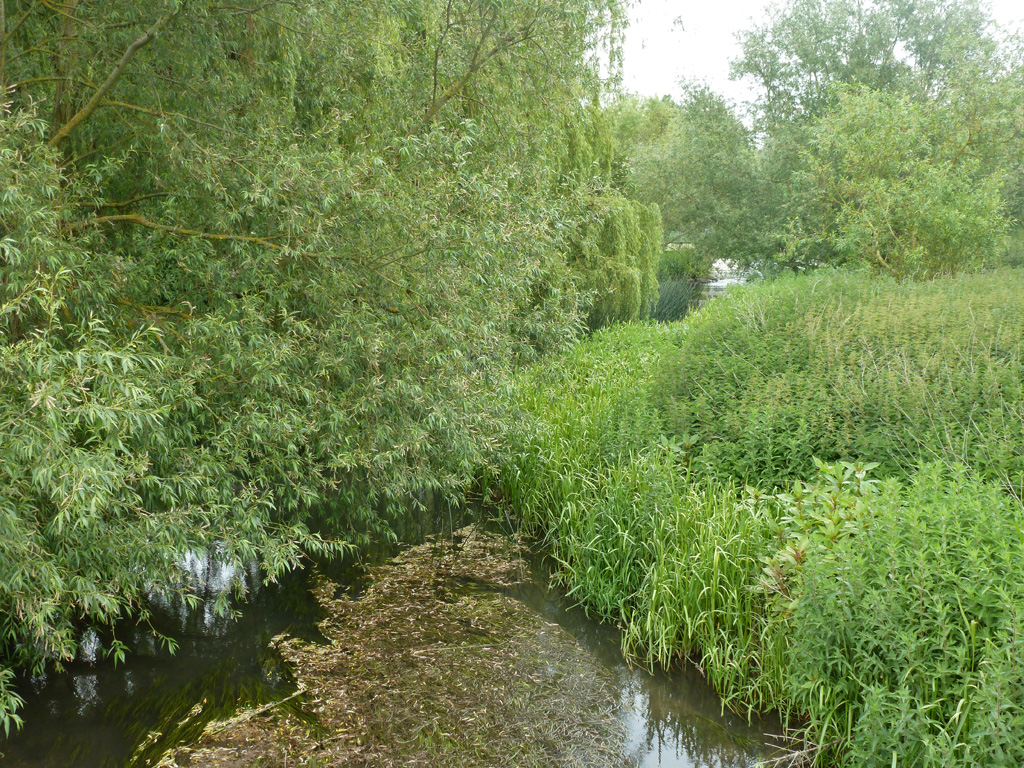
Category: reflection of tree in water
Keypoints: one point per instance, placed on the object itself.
(674, 718)
(677, 724)
(95, 713)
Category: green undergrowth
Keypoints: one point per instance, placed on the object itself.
(874, 597)
(848, 366)
(906, 638)
(639, 544)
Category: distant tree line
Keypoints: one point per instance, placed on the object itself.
(886, 133)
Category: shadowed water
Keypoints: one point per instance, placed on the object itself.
(96, 715)
(674, 719)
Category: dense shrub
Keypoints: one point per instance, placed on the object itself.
(906, 643)
(682, 262)
(674, 563)
(878, 605)
(842, 366)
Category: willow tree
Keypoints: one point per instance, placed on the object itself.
(806, 47)
(255, 257)
(900, 186)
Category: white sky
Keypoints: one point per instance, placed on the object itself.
(658, 53)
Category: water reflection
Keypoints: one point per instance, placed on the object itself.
(96, 715)
(674, 720)
(720, 285)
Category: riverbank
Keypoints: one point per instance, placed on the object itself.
(434, 665)
(812, 489)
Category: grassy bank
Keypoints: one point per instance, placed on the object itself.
(876, 602)
(845, 366)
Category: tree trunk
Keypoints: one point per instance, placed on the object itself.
(64, 64)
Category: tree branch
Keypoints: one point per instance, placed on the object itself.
(142, 221)
(476, 65)
(132, 201)
(83, 114)
(3, 53)
(161, 113)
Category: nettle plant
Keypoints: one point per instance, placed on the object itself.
(813, 519)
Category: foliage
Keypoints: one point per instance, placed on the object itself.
(676, 298)
(1013, 256)
(615, 254)
(613, 248)
(884, 133)
(813, 519)
(846, 367)
(261, 257)
(702, 171)
(637, 121)
(681, 262)
(906, 643)
(674, 563)
(897, 185)
(876, 613)
(808, 46)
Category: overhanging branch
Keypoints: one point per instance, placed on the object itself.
(90, 106)
(142, 221)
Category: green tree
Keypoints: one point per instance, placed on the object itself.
(614, 243)
(703, 173)
(938, 73)
(808, 46)
(896, 186)
(256, 258)
(615, 255)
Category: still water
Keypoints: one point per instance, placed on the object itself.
(673, 719)
(96, 715)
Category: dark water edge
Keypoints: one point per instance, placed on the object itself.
(96, 715)
(677, 298)
(674, 719)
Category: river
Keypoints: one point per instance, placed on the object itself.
(98, 715)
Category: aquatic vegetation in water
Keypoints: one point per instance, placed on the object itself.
(435, 665)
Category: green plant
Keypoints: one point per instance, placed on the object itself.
(813, 519)
(682, 263)
(591, 469)
(845, 367)
(901, 636)
(676, 299)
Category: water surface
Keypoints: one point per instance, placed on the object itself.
(98, 715)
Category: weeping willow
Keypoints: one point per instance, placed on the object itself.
(616, 258)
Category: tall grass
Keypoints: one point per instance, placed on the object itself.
(673, 562)
(676, 299)
(906, 644)
(886, 616)
(847, 366)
